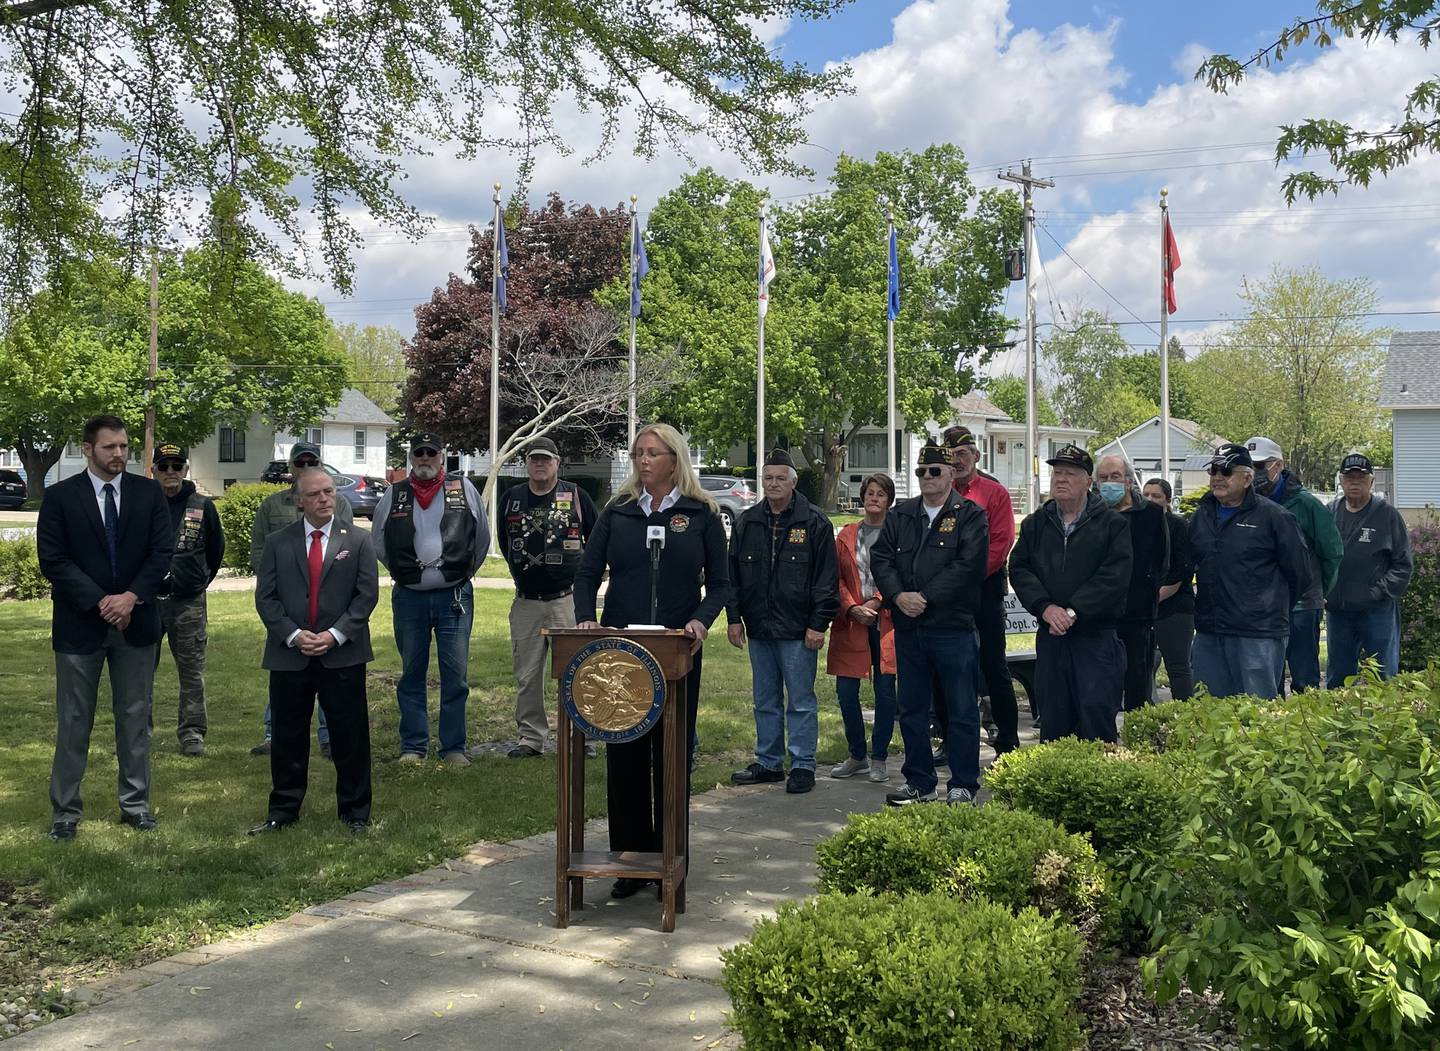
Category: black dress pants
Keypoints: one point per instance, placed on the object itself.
(1138, 638)
(994, 669)
(635, 780)
(1079, 680)
(341, 693)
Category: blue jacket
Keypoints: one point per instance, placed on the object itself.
(1250, 571)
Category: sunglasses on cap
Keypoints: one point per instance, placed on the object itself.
(932, 471)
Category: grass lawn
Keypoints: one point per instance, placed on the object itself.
(117, 898)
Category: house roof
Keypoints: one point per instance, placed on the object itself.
(354, 407)
(1412, 372)
(1189, 428)
(972, 404)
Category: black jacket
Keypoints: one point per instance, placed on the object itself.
(1182, 568)
(693, 555)
(1150, 561)
(784, 574)
(73, 556)
(944, 560)
(199, 544)
(1250, 571)
(1377, 563)
(1088, 571)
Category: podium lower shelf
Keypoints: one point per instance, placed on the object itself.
(627, 864)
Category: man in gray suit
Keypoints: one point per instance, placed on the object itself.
(317, 584)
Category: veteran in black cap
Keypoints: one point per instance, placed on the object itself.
(431, 533)
(1361, 615)
(277, 511)
(1251, 566)
(199, 549)
(786, 593)
(929, 565)
(1071, 569)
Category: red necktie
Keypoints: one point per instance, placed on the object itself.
(317, 558)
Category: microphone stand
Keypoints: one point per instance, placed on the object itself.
(655, 548)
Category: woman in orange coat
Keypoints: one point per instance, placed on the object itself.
(862, 637)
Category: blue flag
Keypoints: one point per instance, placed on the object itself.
(892, 308)
(639, 266)
(503, 270)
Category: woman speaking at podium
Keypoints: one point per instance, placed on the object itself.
(661, 523)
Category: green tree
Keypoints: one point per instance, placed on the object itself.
(1358, 154)
(1303, 369)
(1007, 393)
(825, 331)
(375, 355)
(233, 342)
(254, 124)
(1091, 385)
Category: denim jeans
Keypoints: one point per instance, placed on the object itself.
(1233, 664)
(322, 732)
(783, 671)
(1302, 652)
(847, 691)
(418, 615)
(952, 658)
(1352, 634)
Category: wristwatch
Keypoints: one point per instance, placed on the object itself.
(1071, 612)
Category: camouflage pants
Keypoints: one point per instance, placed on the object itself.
(183, 620)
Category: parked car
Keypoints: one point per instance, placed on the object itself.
(733, 495)
(12, 490)
(363, 491)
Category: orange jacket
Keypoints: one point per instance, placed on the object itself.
(849, 653)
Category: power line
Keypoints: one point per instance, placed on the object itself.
(1096, 280)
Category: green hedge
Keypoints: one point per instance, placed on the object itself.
(237, 509)
(890, 973)
(1011, 857)
(1191, 500)
(1420, 603)
(20, 576)
(1306, 881)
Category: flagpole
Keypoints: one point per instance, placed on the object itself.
(1164, 341)
(495, 372)
(760, 353)
(633, 414)
(1032, 398)
(890, 456)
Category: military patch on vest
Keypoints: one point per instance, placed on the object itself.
(797, 536)
(514, 506)
(679, 523)
(193, 513)
(573, 532)
(518, 544)
(572, 545)
(947, 525)
(554, 558)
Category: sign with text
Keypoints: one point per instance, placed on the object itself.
(1018, 620)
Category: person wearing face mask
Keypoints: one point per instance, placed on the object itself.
(1150, 548)
(1326, 551)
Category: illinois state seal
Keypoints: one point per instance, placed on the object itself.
(614, 690)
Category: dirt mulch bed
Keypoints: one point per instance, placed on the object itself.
(1122, 1016)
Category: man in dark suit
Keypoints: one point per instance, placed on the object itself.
(317, 583)
(104, 541)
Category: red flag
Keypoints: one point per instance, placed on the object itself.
(1168, 266)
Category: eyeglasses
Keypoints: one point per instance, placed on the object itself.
(930, 472)
(1224, 470)
(169, 467)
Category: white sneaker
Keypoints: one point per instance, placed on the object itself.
(850, 767)
(878, 773)
(907, 795)
(960, 797)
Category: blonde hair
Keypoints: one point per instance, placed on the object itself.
(686, 480)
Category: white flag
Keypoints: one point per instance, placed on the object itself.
(767, 268)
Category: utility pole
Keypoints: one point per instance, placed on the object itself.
(1032, 399)
(149, 453)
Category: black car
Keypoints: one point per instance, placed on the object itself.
(733, 495)
(12, 490)
(363, 491)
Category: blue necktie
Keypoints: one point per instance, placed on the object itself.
(112, 525)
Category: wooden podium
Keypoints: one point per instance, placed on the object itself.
(573, 863)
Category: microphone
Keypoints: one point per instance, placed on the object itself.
(655, 538)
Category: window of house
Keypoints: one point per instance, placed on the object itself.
(359, 444)
(232, 445)
(867, 451)
(315, 435)
(72, 451)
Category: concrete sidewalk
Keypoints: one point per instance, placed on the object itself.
(465, 955)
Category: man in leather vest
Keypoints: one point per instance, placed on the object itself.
(199, 547)
(431, 533)
(546, 524)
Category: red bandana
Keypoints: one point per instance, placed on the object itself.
(425, 491)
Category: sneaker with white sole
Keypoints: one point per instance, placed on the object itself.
(960, 797)
(907, 794)
(878, 772)
(850, 767)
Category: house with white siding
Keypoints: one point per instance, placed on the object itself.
(1190, 449)
(1411, 391)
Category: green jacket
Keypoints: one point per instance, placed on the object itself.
(1317, 524)
(279, 510)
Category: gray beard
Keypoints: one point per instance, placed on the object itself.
(426, 473)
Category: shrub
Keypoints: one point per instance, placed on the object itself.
(237, 510)
(1191, 500)
(1012, 857)
(1172, 726)
(929, 970)
(1127, 803)
(1420, 604)
(20, 575)
(1306, 885)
